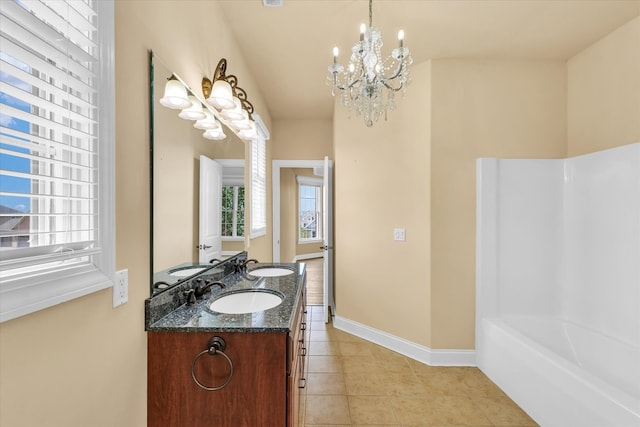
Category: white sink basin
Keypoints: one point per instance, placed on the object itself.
(246, 301)
(270, 272)
(185, 272)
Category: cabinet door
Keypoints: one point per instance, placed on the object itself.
(255, 396)
(297, 354)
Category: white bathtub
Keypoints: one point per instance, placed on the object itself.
(558, 285)
(562, 374)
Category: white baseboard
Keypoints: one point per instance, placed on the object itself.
(410, 349)
(308, 256)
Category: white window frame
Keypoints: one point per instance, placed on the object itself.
(312, 182)
(258, 189)
(233, 176)
(27, 290)
(234, 226)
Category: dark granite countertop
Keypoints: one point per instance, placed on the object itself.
(199, 318)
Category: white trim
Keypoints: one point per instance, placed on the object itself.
(261, 127)
(258, 199)
(309, 180)
(39, 293)
(233, 239)
(314, 241)
(432, 357)
(23, 295)
(308, 256)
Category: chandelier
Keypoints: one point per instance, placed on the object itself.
(369, 83)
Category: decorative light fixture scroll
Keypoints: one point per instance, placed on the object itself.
(224, 102)
(369, 83)
(230, 100)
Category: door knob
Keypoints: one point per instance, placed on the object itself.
(203, 247)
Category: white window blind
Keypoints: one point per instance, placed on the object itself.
(258, 187)
(56, 152)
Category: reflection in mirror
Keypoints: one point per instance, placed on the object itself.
(186, 222)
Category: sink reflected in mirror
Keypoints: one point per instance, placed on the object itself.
(270, 272)
(246, 301)
(185, 272)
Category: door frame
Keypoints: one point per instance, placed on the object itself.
(275, 202)
(327, 253)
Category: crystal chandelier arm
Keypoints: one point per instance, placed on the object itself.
(344, 87)
(385, 80)
(395, 89)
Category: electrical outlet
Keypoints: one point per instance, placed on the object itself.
(398, 234)
(121, 288)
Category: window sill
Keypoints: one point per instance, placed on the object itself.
(314, 241)
(28, 295)
(233, 239)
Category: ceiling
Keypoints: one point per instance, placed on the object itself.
(289, 48)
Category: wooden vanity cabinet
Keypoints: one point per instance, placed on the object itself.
(296, 356)
(263, 390)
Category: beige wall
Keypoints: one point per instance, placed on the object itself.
(83, 363)
(604, 92)
(302, 139)
(417, 171)
(382, 182)
(480, 109)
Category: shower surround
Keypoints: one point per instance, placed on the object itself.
(558, 285)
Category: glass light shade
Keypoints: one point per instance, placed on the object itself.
(234, 113)
(175, 95)
(241, 124)
(221, 97)
(251, 133)
(194, 112)
(209, 122)
(214, 134)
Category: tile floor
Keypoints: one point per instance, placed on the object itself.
(352, 382)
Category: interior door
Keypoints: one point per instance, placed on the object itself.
(327, 235)
(210, 225)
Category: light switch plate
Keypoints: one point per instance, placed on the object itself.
(398, 234)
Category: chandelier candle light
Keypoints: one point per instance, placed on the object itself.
(369, 83)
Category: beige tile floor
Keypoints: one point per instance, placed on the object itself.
(352, 382)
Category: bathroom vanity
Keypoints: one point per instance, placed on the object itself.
(229, 368)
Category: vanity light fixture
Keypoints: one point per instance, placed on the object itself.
(194, 111)
(209, 121)
(175, 94)
(369, 83)
(214, 134)
(224, 102)
(230, 100)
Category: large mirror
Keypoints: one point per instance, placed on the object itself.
(179, 154)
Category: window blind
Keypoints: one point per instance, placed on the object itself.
(53, 146)
(258, 187)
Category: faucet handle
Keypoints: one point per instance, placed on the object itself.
(190, 295)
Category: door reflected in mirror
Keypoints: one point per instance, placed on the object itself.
(187, 217)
